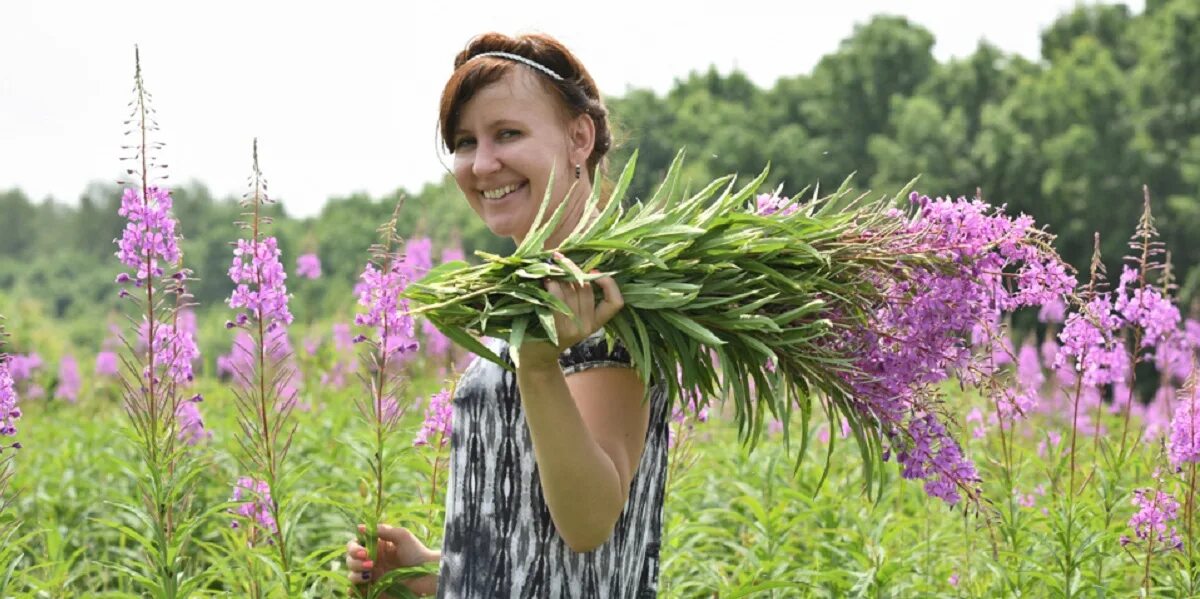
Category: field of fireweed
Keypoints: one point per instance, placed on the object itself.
(987, 422)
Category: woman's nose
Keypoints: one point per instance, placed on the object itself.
(485, 160)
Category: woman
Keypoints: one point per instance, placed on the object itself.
(556, 473)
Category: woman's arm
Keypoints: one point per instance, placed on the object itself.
(588, 431)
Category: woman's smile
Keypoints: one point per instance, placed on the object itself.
(505, 193)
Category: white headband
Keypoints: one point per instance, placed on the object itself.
(521, 59)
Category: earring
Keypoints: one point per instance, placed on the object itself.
(576, 171)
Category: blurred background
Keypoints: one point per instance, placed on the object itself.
(1061, 110)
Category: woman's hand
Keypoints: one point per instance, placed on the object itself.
(396, 548)
(587, 316)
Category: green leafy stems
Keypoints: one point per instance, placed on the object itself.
(701, 277)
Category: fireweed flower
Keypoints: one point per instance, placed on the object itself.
(68, 379)
(1152, 522)
(1191, 331)
(386, 312)
(1145, 308)
(107, 364)
(915, 339)
(1089, 345)
(238, 365)
(260, 282)
(439, 420)
(679, 418)
(975, 416)
(149, 239)
(255, 503)
(1173, 355)
(21, 367)
(343, 339)
(308, 266)
(175, 348)
(1183, 445)
(191, 424)
(452, 254)
(9, 412)
(767, 204)
(418, 257)
(1054, 311)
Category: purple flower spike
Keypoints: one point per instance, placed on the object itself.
(149, 241)
(379, 292)
(9, 413)
(308, 266)
(255, 498)
(259, 277)
(439, 420)
(68, 379)
(1152, 522)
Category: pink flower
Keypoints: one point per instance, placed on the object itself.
(1053, 311)
(149, 240)
(418, 257)
(439, 421)
(191, 424)
(1151, 523)
(308, 266)
(386, 312)
(259, 280)
(68, 379)
(1183, 446)
(767, 204)
(451, 254)
(255, 506)
(107, 364)
(9, 412)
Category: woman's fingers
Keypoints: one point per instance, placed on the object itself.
(359, 577)
(358, 562)
(613, 300)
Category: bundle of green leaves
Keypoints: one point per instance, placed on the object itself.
(720, 301)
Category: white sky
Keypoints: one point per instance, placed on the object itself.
(345, 99)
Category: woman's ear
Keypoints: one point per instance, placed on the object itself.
(581, 135)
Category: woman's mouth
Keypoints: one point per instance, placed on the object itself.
(502, 193)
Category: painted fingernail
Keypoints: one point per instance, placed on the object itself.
(361, 554)
(362, 528)
(368, 564)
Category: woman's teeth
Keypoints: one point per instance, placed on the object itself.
(495, 194)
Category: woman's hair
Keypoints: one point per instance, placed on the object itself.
(577, 92)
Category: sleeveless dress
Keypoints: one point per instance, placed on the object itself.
(499, 538)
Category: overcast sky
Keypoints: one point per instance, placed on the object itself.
(343, 96)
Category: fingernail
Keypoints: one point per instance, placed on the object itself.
(361, 554)
(558, 255)
(368, 564)
(366, 576)
(362, 528)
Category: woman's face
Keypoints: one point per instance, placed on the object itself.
(510, 135)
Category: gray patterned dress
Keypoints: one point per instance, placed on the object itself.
(499, 538)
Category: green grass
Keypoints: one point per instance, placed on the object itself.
(735, 524)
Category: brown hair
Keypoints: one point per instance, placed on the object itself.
(577, 91)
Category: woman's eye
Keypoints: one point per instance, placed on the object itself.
(509, 133)
(462, 141)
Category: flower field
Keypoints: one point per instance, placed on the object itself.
(735, 525)
(928, 403)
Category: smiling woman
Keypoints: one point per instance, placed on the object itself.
(557, 471)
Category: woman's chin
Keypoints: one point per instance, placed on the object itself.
(506, 227)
